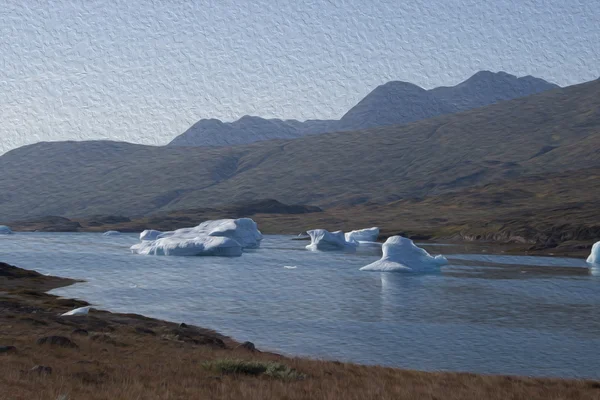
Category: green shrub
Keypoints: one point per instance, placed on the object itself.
(255, 368)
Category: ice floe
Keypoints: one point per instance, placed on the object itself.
(199, 246)
(224, 237)
(150, 234)
(321, 239)
(594, 257)
(5, 230)
(363, 235)
(77, 311)
(402, 255)
(111, 233)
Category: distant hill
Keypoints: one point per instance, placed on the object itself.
(551, 132)
(389, 104)
(248, 129)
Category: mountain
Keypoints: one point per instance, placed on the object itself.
(389, 104)
(486, 87)
(547, 133)
(395, 103)
(248, 129)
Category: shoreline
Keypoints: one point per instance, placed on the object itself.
(574, 249)
(116, 355)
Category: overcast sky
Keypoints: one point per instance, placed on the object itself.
(144, 71)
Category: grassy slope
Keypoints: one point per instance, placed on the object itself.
(131, 357)
(557, 212)
(550, 132)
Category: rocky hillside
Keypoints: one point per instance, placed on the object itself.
(547, 133)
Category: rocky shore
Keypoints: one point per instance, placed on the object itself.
(105, 355)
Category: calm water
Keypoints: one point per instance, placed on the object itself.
(483, 313)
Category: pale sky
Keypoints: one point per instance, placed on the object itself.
(144, 71)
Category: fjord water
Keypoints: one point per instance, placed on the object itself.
(483, 313)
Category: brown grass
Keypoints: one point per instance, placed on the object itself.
(143, 358)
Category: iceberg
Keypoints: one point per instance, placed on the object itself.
(111, 233)
(199, 246)
(400, 254)
(594, 257)
(5, 230)
(363, 235)
(150, 234)
(242, 230)
(224, 237)
(321, 239)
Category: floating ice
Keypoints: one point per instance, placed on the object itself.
(594, 257)
(320, 239)
(150, 234)
(289, 267)
(77, 311)
(402, 255)
(199, 246)
(224, 237)
(111, 233)
(363, 235)
(5, 230)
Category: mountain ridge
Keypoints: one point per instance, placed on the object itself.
(394, 102)
(547, 133)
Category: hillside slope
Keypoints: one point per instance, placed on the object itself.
(550, 132)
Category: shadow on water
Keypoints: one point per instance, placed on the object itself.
(514, 271)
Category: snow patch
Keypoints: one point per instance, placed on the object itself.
(402, 255)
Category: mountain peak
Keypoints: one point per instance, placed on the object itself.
(400, 85)
(394, 102)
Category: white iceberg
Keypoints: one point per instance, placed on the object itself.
(321, 239)
(5, 230)
(402, 255)
(199, 246)
(150, 234)
(77, 311)
(594, 257)
(363, 235)
(224, 237)
(111, 233)
(242, 230)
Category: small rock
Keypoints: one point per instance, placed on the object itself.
(247, 345)
(183, 325)
(41, 370)
(7, 349)
(80, 332)
(57, 341)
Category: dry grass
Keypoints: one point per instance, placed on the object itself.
(142, 358)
